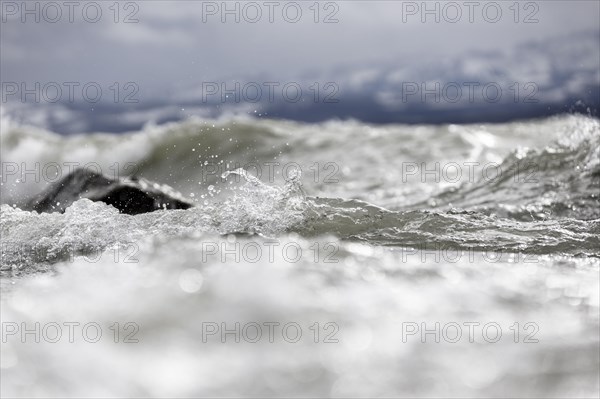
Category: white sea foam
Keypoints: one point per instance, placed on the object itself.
(305, 251)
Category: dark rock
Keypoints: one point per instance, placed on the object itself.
(131, 196)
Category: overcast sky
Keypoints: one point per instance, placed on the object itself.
(171, 44)
(175, 45)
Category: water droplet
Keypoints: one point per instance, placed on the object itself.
(191, 280)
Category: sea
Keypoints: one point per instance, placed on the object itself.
(339, 258)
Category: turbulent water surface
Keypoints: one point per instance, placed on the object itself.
(369, 231)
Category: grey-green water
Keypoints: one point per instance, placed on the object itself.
(386, 231)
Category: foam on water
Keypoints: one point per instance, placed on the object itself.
(32, 240)
(369, 163)
(368, 292)
(379, 247)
